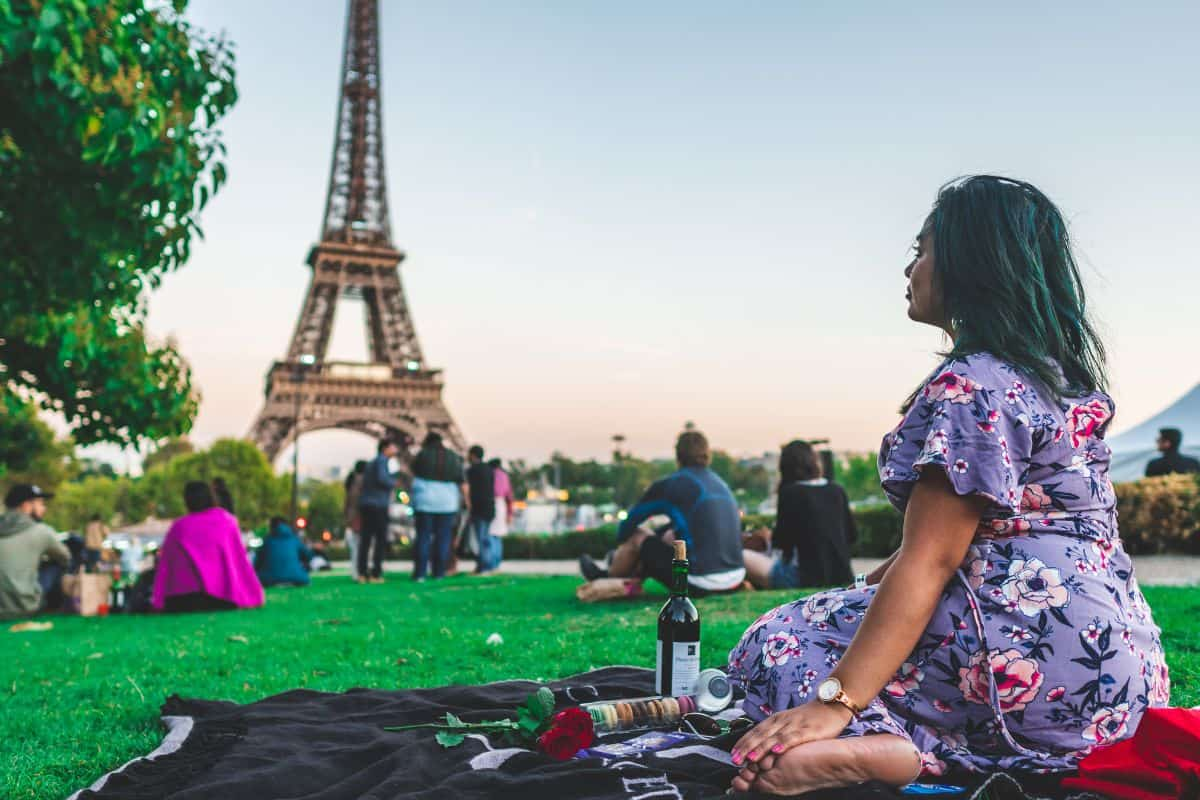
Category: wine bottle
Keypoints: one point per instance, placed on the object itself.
(678, 660)
(116, 591)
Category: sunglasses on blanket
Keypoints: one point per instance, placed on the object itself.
(704, 725)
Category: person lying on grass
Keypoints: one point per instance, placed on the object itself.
(1008, 631)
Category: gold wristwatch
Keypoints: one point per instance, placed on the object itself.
(830, 691)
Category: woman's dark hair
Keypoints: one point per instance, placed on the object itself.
(198, 496)
(359, 468)
(276, 525)
(1010, 283)
(432, 439)
(222, 495)
(798, 461)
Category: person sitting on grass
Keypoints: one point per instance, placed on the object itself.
(1008, 632)
(32, 559)
(813, 528)
(283, 559)
(202, 564)
(703, 513)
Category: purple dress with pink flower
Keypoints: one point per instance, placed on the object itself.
(1042, 646)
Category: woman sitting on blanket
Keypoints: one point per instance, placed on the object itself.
(1008, 631)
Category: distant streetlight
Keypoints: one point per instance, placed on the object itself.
(298, 374)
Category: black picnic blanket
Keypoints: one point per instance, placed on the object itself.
(306, 745)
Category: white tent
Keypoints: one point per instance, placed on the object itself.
(1133, 448)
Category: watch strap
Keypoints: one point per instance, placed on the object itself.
(844, 699)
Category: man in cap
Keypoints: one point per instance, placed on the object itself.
(24, 541)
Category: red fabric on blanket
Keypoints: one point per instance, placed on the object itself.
(1160, 760)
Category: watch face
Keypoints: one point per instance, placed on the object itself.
(828, 689)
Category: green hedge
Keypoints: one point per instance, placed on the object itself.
(1160, 515)
(1157, 515)
(535, 546)
(879, 528)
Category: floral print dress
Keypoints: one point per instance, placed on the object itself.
(1042, 646)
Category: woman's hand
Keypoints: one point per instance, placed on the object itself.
(784, 730)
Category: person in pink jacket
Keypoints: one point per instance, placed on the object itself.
(202, 565)
(502, 489)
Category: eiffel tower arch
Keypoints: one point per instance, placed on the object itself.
(395, 393)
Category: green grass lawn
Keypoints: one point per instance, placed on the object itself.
(83, 698)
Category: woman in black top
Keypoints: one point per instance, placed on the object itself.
(813, 528)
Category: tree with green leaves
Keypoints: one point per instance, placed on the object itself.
(29, 450)
(175, 446)
(859, 476)
(76, 502)
(108, 152)
(258, 493)
(321, 504)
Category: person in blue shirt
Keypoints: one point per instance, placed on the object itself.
(702, 512)
(374, 499)
(282, 557)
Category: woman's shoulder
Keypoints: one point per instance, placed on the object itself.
(968, 379)
(982, 367)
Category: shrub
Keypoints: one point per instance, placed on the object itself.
(879, 528)
(595, 542)
(518, 546)
(1159, 515)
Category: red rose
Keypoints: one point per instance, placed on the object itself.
(570, 732)
(559, 743)
(577, 722)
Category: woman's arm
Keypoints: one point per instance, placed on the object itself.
(938, 528)
(876, 575)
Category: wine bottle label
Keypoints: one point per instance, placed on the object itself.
(685, 668)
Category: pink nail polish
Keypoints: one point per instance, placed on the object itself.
(753, 754)
(777, 748)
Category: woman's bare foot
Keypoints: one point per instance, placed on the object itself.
(832, 763)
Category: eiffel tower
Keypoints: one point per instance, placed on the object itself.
(395, 394)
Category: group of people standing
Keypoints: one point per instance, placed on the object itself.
(456, 508)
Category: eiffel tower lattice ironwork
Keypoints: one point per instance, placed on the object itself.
(395, 394)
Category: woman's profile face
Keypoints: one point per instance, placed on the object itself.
(924, 292)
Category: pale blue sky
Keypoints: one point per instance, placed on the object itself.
(620, 216)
